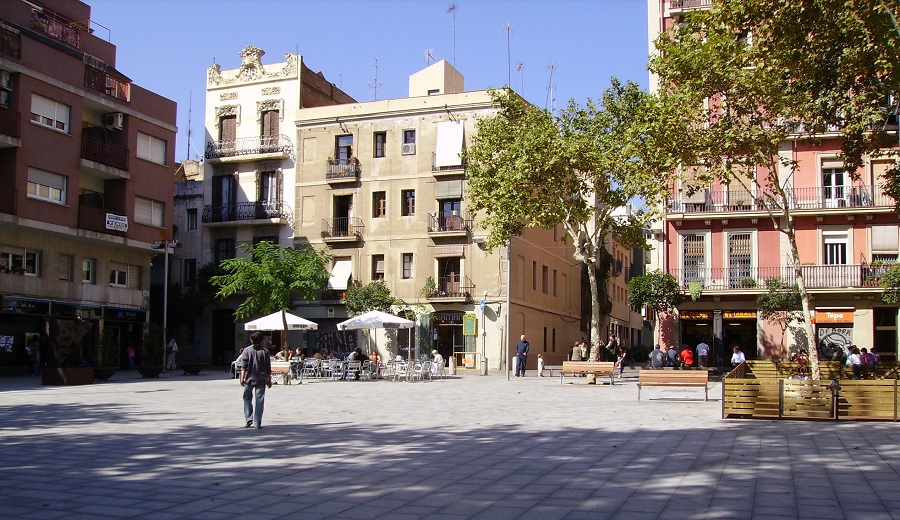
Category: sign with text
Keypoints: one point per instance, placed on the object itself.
(116, 222)
(834, 316)
(696, 315)
(470, 325)
(732, 315)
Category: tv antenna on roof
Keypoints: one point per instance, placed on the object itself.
(508, 30)
(550, 99)
(429, 57)
(375, 84)
(452, 9)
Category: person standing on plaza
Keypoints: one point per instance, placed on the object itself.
(256, 376)
(621, 361)
(854, 359)
(703, 354)
(540, 365)
(522, 348)
(576, 352)
(171, 352)
(130, 353)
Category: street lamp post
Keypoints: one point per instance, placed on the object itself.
(165, 245)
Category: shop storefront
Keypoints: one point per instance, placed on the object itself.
(834, 331)
(448, 338)
(740, 328)
(21, 322)
(721, 330)
(127, 325)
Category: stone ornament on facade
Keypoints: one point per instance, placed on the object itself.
(271, 91)
(252, 69)
(251, 66)
(214, 74)
(269, 105)
(227, 96)
(268, 166)
(228, 110)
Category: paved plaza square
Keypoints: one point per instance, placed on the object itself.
(464, 447)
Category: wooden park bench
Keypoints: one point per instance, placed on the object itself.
(680, 378)
(597, 368)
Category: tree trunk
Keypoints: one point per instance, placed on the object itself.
(813, 347)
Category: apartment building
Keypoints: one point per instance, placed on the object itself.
(721, 240)
(86, 160)
(383, 185)
(249, 173)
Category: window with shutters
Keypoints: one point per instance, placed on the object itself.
(834, 247)
(545, 279)
(223, 250)
(46, 186)
(833, 187)
(270, 123)
(739, 260)
(151, 148)
(885, 244)
(407, 265)
(268, 187)
(408, 198)
(49, 113)
(534, 275)
(118, 275)
(149, 212)
(343, 149)
(20, 261)
(88, 270)
(379, 144)
(379, 204)
(228, 130)
(377, 267)
(694, 258)
(192, 219)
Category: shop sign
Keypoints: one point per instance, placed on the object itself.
(470, 325)
(74, 310)
(737, 315)
(696, 315)
(469, 361)
(21, 306)
(129, 315)
(834, 316)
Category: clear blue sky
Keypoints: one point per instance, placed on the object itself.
(167, 45)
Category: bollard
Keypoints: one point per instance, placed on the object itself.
(452, 365)
(484, 366)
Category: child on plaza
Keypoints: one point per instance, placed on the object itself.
(540, 365)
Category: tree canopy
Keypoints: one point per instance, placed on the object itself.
(656, 290)
(529, 167)
(270, 276)
(374, 296)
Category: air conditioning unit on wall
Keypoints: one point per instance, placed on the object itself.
(408, 149)
(114, 121)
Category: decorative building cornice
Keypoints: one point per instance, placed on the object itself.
(268, 166)
(228, 96)
(228, 110)
(271, 91)
(252, 69)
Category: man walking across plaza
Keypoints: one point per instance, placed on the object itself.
(521, 355)
(703, 354)
(256, 376)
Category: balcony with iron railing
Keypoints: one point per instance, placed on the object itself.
(9, 125)
(452, 287)
(447, 169)
(681, 5)
(343, 171)
(95, 219)
(250, 148)
(813, 198)
(7, 200)
(248, 212)
(754, 278)
(342, 229)
(98, 151)
(450, 223)
(100, 81)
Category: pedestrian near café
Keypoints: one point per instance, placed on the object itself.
(130, 353)
(703, 354)
(171, 352)
(576, 352)
(521, 355)
(621, 361)
(256, 376)
(737, 357)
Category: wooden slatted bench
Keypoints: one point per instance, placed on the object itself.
(597, 368)
(679, 378)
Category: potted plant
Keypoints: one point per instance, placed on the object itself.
(190, 362)
(152, 353)
(107, 361)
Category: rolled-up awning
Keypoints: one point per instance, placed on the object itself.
(340, 275)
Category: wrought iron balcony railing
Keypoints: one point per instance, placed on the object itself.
(256, 145)
(94, 219)
(343, 172)
(94, 149)
(96, 79)
(261, 210)
(754, 278)
(453, 286)
(342, 228)
(447, 222)
(690, 4)
(453, 168)
(821, 197)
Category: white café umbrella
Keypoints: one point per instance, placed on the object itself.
(275, 322)
(376, 320)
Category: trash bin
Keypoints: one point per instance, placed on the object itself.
(484, 366)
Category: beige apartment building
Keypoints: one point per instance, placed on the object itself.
(383, 185)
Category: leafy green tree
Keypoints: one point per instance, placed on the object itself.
(270, 276)
(754, 72)
(890, 282)
(375, 296)
(779, 303)
(655, 290)
(528, 167)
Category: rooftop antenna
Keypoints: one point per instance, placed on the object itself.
(508, 30)
(429, 57)
(374, 85)
(520, 68)
(548, 105)
(452, 9)
(190, 106)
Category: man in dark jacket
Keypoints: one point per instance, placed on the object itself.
(521, 355)
(256, 376)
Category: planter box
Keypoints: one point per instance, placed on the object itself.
(192, 368)
(148, 372)
(68, 376)
(104, 373)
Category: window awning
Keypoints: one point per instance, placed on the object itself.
(449, 144)
(885, 239)
(340, 275)
(448, 251)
